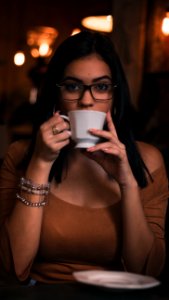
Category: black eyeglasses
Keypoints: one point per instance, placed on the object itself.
(73, 91)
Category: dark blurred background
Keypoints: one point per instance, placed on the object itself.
(138, 38)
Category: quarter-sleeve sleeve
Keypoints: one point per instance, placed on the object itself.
(10, 173)
(155, 199)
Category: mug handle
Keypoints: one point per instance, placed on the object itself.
(65, 117)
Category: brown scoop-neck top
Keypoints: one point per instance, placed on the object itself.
(73, 237)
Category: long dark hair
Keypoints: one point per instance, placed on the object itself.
(74, 47)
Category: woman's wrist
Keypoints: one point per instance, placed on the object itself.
(32, 194)
(38, 170)
(129, 185)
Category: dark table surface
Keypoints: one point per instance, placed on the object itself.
(79, 291)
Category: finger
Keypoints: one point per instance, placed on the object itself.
(56, 143)
(55, 125)
(99, 147)
(106, 146)
(51, 137)
(55, 119)
(104, 134)
(55, 130)
(64, 135)
(110, 123)
(61, 144)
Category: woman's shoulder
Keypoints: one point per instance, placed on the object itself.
(19, 145)
(151, 155)
(17, 150)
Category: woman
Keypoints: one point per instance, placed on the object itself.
(105, 206)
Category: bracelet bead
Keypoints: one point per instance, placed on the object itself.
(28, 187)
(29, 190)
(33, 186)
(29, 203)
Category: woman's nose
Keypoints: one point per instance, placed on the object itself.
(86, 99)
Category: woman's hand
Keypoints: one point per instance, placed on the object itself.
(111, 155)
(53, 135)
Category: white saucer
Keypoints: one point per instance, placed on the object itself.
(116, 280)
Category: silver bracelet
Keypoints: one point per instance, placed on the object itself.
(29, 203)
(33, 191)
(34, 186)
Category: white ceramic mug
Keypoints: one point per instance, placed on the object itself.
(80, 123)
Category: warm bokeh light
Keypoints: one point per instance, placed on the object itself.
(43, 49)
(34, 52)
(75, 31)
(33, 95)
(99, 23)
(165, 24)
(19, 58)
(40, 39)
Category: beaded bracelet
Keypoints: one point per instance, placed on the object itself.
(29, 203)
(32, 188)
(32, 191)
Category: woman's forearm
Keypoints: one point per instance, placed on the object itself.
(24, 224)
(138, 238)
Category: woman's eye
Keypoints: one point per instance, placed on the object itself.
(71, 87)
(102, 86)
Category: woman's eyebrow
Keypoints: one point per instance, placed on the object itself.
(72, 78)
(102, 77)
(81, 81)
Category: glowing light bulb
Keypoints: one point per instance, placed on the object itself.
(19, 58)
(165, 24)
(75, 31)
(99, 23)
(43, 49)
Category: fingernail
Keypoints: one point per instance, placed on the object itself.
(56, 113)
(90, 149)
(69, 132)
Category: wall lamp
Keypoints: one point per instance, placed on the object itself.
(40, 40)
(98, 23)
(165, 23)
(19, 58)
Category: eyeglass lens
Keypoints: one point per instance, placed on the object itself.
(75, 91)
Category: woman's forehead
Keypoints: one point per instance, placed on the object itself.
(89, 66)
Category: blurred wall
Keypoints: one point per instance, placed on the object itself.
(129, 36)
